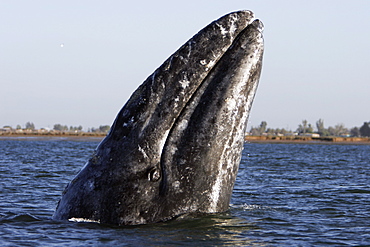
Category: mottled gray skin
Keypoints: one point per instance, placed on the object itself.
(175, 146)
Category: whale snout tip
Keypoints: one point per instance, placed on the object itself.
(258, 25)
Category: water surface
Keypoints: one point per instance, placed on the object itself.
(285, 195)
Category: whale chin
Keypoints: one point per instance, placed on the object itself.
(175, 147)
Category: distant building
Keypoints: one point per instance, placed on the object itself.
(314, 135)
(6, 129)
(291, 134)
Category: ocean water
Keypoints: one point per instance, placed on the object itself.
(285, 195)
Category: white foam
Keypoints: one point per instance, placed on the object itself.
(83, 220)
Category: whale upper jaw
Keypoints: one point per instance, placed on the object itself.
(175, 147)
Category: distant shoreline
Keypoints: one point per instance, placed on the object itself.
(62, 136)
(308, 140)
(87, 136)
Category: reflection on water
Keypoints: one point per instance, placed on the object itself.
(285, 194)
(221, 229)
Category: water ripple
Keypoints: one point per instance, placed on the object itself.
(285, 194)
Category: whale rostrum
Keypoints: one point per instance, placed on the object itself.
(175, 147)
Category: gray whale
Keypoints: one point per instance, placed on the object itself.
(175, 147)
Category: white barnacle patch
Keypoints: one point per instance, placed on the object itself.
(83, 220)
(173, 150)
(208, 65)
(143, 152)
(132, 119)
(176, 187)
(231, 104)
(222, 29)
(91, 185)
(184, 83)
(233, 26)
(223, 168)
(183, 124)
(176, 184)
(211, 64)
(215, 194)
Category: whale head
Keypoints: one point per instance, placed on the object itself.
(175, 146)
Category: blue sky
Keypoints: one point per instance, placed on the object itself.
(316, 62)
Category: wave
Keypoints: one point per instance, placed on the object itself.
(11, 217)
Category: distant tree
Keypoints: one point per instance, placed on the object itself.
(320, 126)
(104, 128)
(305, 127)
(355, 132)
(270, 131)
(337, 130)
(19, 127)
(60, 127)
(101, 129)
(30, 126)
(262, 127)
(256, 131)
(309, 128)
(302, 127)
(343, 129)
(75, 128)
(57, 127)
(283, 131)
(321, 129)
(365, 129)
(331, 131)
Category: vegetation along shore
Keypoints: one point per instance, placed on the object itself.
(305, 133)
